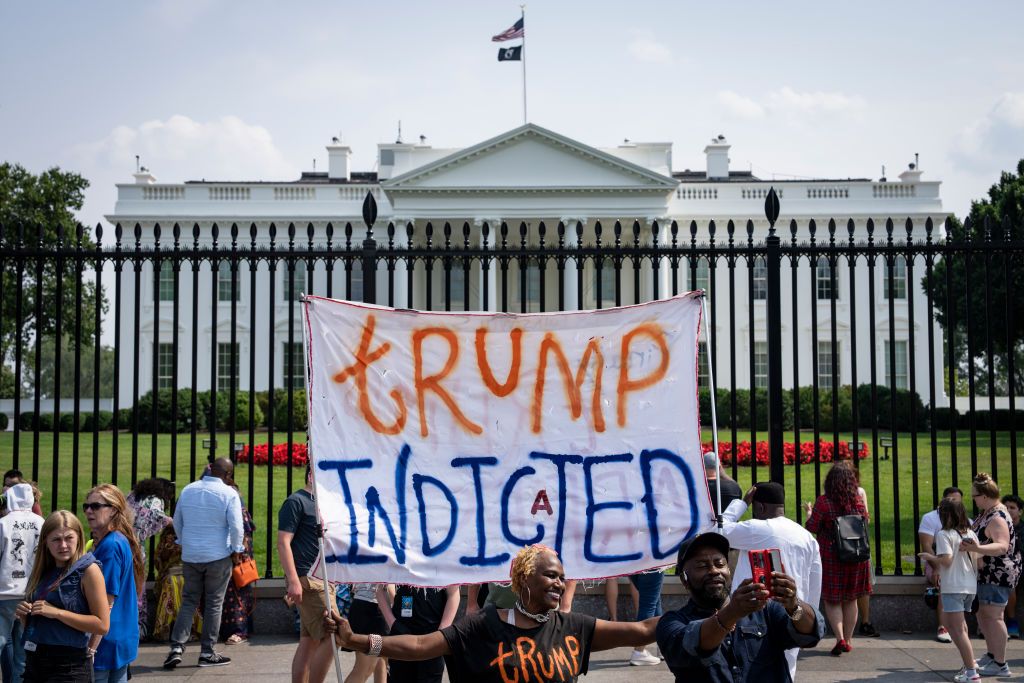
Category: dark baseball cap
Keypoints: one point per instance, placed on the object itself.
(769, 493)
(692, 545)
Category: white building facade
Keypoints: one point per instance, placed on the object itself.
(529, 176)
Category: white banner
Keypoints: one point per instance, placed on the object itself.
(444, 442)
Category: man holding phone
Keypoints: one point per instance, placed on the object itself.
(723, 638)
(770, 528)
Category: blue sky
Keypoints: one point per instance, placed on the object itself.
(254, 90)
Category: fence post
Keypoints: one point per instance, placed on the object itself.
(369, 257)
(776, 460)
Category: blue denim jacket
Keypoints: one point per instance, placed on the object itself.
(66, 595)
(754, 651)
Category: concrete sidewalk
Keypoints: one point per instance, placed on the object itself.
(894, 657)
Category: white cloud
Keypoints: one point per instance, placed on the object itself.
(997, 138)
(180, 148)
(740, 106)
(645, 48)
(789, 100)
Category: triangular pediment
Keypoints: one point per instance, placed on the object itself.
(530, 158)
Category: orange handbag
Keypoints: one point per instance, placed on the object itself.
(244, 573)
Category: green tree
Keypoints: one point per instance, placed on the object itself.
(1001, 214)
(40, 207)
(86, 377)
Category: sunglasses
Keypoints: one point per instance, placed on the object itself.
(95, 506)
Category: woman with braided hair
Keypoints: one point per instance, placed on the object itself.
(533, 641)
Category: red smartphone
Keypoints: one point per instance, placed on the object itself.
(763, 563)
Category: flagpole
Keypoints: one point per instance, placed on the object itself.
(522, 9)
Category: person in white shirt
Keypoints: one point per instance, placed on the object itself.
(959, 580)
(771, 529)
(926, 530)
(19, 536)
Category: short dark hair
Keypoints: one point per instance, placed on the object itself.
(950, 490)
(14, 474)
(1015, 499)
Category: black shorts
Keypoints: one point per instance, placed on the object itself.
(365, 618)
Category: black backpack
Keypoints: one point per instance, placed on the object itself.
(852, 539)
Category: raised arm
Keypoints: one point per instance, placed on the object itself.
(451, 607)
(405, 648)
(612, 634)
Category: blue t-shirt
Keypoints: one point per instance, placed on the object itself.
(121, 644)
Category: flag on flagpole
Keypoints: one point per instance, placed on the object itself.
(510, 54)
(511, 34)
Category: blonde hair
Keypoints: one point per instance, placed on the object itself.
(122, 521)
(44, 563)
(985, 485)
(524, 564)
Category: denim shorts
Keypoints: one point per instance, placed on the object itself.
(989, 594)
(957, 602)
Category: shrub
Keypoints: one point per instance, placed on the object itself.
(99, 422)
(45, 422)
(67, 422)
(946, 418)
(298, 418)
(222, 419)
(168, 420)
(26, 422)
(4, 421)
(124, 418)
(883, 416)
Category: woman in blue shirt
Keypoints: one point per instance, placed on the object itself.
(118, 551)
(66, 602)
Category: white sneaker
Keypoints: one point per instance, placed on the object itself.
(942, 635)
(643, 658)
(993, 669)
(963, 677)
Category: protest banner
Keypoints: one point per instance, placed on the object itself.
(442, 443)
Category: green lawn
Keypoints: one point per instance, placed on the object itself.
(271, 485)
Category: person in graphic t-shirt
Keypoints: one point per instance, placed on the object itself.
(533, 641)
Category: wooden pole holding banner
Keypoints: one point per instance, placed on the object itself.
(719, 519)
(316, 506)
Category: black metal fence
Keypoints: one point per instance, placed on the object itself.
(881, 366)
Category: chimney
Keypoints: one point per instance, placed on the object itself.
(144, 177)
(338, 160)
(718, 158)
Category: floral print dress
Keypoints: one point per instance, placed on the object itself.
(236, 619)
(150, 520)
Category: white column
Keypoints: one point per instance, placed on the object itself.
(491, 274)
(571, 273)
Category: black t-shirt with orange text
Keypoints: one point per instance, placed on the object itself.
(485, 649)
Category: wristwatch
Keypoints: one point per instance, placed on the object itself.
(798, 613)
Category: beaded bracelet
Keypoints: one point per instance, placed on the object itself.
(722, 626)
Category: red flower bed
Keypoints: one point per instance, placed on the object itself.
(280, 457)
(743, 451)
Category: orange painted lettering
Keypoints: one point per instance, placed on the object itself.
(433, 382)
(499, 662)
(364, 357)
(572, 385)
(527, 656)
(512, 381)
(627, 385)
(560, 660)
(549, 670)
(573, 646)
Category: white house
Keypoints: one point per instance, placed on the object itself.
(527, 175)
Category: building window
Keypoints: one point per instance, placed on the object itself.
(825, 290)
(356, 278)
(533, 277)
(605, 292)
(760, 291)
(899, 279)
(457, 291)
(298, 281)
(164, 365)
(224, 280)
(227, 361)
(825, 357)
(898, 379)
(760, 365)
(165, 283)
(294, 369)
(703, 372)
(703, 276)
